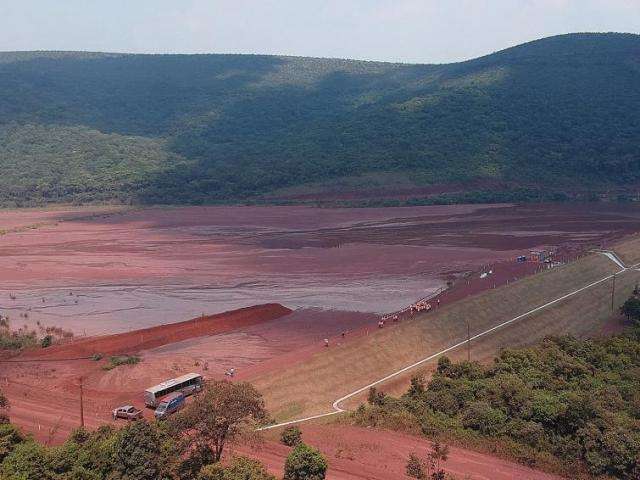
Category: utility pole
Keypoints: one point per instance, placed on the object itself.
(468, 342)
(613, 292)
(81, 405)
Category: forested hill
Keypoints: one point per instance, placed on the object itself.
(558, 115)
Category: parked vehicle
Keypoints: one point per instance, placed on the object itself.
(128, 412)
(170, 404)
(187, 384)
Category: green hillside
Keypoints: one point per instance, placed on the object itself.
(557, 116)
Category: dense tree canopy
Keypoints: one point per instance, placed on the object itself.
(546, 118)
(565, 400)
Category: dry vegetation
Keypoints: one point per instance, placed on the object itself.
(629, 251)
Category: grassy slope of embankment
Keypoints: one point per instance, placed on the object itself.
(311, 386)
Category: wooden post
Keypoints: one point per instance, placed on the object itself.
(468, 343)
(613, 292)
(81, 405)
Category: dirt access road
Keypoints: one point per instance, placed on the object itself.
(356, 453)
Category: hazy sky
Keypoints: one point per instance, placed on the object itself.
(422, 31)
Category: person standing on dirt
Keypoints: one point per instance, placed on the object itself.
(326, 342)
(343, 334)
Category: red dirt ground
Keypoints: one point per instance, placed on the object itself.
(155, 266)
(44, 392)
(355, 453)
(148, 338)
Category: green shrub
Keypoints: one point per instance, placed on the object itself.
(215, 471)
(291, 436)
(415, 467)
(28, 461)
(631, 309)
(391, 417)
(242, 468)
(305, 463)
(482, 417)
(118, 360)
(10, 437)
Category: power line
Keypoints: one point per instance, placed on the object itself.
(46, 360)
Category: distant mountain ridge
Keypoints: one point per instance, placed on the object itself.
(546, 119)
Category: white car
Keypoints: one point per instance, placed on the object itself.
(128, 412)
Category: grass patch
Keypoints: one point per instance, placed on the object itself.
(118, 360)
(629, 250)
(25, 337)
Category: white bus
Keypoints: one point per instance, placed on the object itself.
(187, 384)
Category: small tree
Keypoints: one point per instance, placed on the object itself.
(438, 455)
(137, 452)
(4, 409)
(291, 436)
(432, 468)
(631, 309)
(415, 467)
(305, 463)
(417, 387)
(444, 364)
(223, 412)
(242, 468)
(375, 397)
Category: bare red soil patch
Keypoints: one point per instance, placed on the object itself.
(44, 391)
(357, 453)
(148, 338)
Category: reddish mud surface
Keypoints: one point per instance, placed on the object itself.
(96, 272)
(355, 453)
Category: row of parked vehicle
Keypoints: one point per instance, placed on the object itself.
(167, 397)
